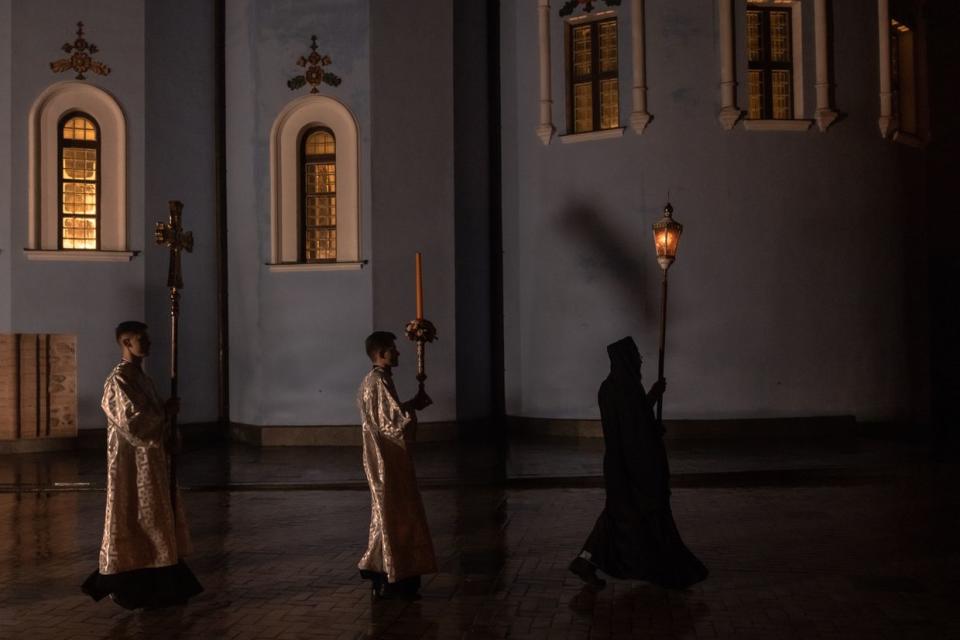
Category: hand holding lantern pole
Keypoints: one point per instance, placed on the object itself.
(666, 237)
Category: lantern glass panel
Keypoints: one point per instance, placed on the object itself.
(665, 240)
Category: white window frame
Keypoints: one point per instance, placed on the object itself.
(295, 118)
(44, 134)
(640, 118)
(889, 126)
(730, 114)
(798, 122)
(596, 134)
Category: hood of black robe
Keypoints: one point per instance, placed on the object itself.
(624, 385)
(625, 361)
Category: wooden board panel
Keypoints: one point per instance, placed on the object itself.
(63, 386)
(38, 386)
(8, 387)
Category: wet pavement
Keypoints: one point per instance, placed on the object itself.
(804, 539)
(206, 466)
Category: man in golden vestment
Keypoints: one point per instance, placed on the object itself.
(399, 549)
(145, 532)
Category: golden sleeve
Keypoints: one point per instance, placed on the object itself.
(133, 413)
(392, 420)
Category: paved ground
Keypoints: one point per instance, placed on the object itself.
(862, 542)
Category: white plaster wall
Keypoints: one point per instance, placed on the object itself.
(86, 299)
(180, 165)
(296, 339)
(413, 193)
(512, 68)
(788, 297)
(472, 211)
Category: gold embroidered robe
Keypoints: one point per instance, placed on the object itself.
(399, 543)
(141, 527)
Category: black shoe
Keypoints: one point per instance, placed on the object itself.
(377, 584)
(587, 572)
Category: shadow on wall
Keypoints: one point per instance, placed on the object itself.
(609, 254)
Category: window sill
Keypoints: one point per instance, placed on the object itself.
(603, 134)
(292, 267)
(777, 125)
(73, 255)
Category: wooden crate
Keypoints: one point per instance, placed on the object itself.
(38, 386)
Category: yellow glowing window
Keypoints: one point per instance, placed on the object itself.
(770, 63)
(79, 182)
(593, 85)
(318, 202)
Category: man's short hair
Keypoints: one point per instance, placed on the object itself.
(130, 326)
(378, 342)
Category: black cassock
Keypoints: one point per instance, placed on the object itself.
(635, 536)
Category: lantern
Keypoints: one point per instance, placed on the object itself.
(666, 237)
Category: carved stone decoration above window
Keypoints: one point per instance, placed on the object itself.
(81, 57)
(315, 74)
(587, 5)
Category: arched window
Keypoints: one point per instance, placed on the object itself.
(315, 187)
(78, 178)
(318, 196)
(77, 198)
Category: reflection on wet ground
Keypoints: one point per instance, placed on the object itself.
(859, 543)
(572, 461)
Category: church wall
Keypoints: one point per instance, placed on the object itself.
(512, 67)
(6, 241)
(82, 298)
(413, 189)
(296, 339)
(788, 297)
(473, 209)
(180, 165)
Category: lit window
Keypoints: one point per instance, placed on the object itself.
(324, 236)
(318, 201)
(903, 77)
(594, 98)
(79, 178)
(770, 64)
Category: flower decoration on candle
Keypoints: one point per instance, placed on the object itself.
(421, 330)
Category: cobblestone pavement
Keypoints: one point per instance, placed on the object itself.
(871, 555)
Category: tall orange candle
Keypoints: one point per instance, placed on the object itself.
(419, 264)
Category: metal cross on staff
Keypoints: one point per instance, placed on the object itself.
(172, 235)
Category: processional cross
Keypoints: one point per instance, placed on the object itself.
(171, 234)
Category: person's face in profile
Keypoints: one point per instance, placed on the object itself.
(137, 344)
(391, 356)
